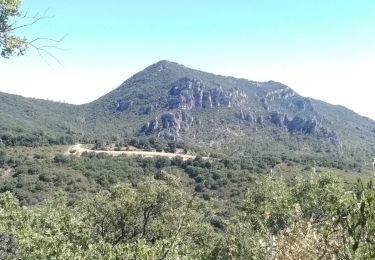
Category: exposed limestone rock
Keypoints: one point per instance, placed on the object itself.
(246, 116)
(186, 94)
(174, 123)
(303, 126)
(169, 120)
(170, 125)
(184, 117)
(277, 118)
(145, 128)
(282, 93)
(151, 127)
(241, 115)
(206, 100)
(189, 93)
(298, 124)
(179, 102)
(267, 98)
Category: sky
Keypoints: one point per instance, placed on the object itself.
(323, 49)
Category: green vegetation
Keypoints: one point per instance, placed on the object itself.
(33, 173)
(32, 122)
(258, 187)
(335, 133)
(99, 206)
(160, 219)
(9, 43)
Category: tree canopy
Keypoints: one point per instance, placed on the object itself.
(10, 43)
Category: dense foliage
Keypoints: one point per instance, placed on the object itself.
(32, 174)
(158, 219)
(32, 177)
(99, 206)
(10, 44)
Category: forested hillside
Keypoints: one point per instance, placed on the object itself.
(168, 105)
(268, 174)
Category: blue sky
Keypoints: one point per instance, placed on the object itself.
(322, 49)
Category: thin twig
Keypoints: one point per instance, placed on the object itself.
(43, 50)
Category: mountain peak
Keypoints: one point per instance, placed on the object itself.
(165, 64)
(178, 104)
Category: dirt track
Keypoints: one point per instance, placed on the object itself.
(79, 150)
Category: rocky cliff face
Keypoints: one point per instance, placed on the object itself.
(188, 93)
(300, 125)
(169, 125)
(213, 100)
(281, 93)
(246, 116)
(268, 97)
(283, 97)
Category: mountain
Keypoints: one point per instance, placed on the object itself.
(30, 121)
(203, 112)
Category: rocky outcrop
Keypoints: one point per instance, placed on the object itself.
(246, 116)
(206, 100)
(185, 118)
(278, 119)
(169, 125)
(151, 127)
(270, 98)
(186, 94)
(189, 93)
(281, 93)
(303, 126)
(169, 121)
(295, 125)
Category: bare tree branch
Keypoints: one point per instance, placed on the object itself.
(10, 44)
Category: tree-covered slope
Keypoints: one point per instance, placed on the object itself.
(29, 121)
(200, 111)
